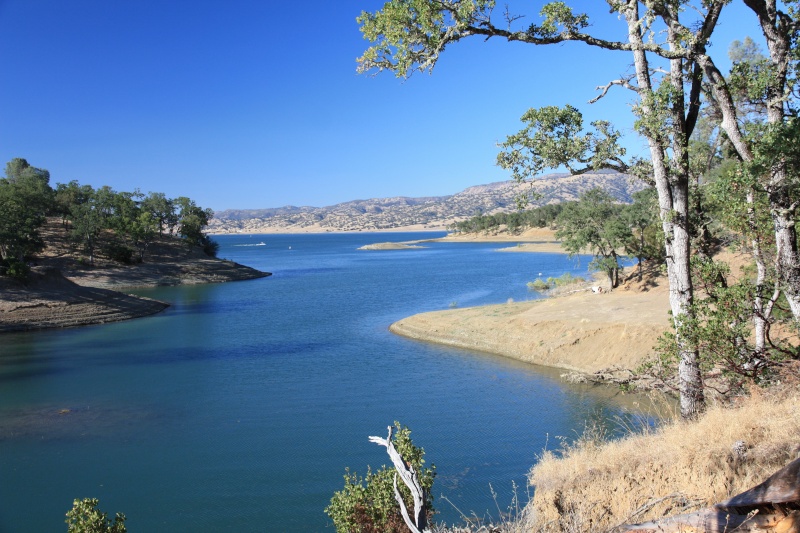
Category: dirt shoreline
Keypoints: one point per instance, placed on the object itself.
(51, 300)
(63, 291)
(605, 334)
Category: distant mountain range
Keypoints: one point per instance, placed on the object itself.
(437, 212)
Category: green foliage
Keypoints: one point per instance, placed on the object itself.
(553, 137)
(720, 326)
(119, 253)
(538, 285)
(564, 280)
(558, 18)
(367, 504)
(539, 217)
(85, 517)
(13, 268)
(25, 200)
(594, 223)
(409, 35)
(192, 219)
(646, 238)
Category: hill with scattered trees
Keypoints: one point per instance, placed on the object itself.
(63, 249)
(380, 214)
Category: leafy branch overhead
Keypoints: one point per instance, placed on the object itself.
(555, 137)
(410, 35)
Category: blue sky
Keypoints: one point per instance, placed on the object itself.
(253, 104)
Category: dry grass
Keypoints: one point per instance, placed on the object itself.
(595, 486)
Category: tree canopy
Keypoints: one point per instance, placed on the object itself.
(122, 225)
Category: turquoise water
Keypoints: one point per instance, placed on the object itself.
(239, 407)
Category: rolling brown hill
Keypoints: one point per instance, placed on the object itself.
(381, 214)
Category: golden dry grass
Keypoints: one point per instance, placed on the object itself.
(680, 467)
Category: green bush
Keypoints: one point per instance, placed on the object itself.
(367, 504)
(538, 285)
(210, 247)
(85, 517)
(15, 269)
(564, 280)
(119, 253)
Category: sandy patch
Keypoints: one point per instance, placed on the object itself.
(529, 235)
(541, 247)
(582, 332)
(390, 246)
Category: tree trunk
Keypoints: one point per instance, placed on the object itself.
(673, 199)
(760, 314)
(777, 33)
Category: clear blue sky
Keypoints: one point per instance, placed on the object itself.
(252, 104)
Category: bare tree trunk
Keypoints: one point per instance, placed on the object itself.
(760, 315)
(673, 200)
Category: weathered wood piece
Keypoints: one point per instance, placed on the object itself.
(773, 505)
(419, 523)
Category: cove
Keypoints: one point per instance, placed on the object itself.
(239, 407)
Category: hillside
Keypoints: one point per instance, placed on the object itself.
(65, 291)
(381, 214)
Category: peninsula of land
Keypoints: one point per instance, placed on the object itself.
(65, 291)
(601, 333)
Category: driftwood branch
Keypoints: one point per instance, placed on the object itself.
(411, 479)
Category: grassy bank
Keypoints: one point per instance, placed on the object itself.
(594, 485)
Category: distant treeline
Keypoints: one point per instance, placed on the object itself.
(538, 217)
(597, 223)
(121, 225)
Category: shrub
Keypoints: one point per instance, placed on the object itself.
(538, 285)
(565, 279)
(210, 247)
(367, 504)
(85, 517)
(119, 253)
(15, 269)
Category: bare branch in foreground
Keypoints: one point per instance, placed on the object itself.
(411, 479)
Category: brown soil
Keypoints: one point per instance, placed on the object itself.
(64, 290)
(49, 300)
(582, 331)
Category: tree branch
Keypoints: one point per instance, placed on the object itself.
(622, 82)
(411, 479)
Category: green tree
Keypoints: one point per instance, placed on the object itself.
(192, 220)
(162, 209)
(25, 199)
(68, 195)
(594, 223)
(85, 517)
(87, 222)
(641, 218)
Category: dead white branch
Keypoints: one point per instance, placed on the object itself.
(411, 479)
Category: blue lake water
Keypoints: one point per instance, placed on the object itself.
(239, 407)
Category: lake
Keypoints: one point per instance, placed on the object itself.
(239, 407)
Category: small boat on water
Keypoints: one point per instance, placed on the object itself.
(261, 244)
